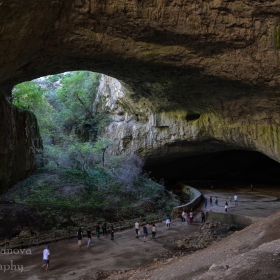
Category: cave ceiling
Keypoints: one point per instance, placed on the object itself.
(211, 66)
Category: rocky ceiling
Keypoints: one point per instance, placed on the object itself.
(199, 72)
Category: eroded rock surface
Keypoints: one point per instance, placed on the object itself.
(202, 76)
(19, 139)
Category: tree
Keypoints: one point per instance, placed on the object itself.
(78, 111)
(102, 144)
(31, 96)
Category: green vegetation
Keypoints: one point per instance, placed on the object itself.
(78, 180)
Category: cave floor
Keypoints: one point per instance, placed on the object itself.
(261, 202)
(126, 252)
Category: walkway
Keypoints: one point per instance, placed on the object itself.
(127, 252)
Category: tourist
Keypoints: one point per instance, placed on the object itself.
(154, 231)
(80, 237)
(112, 231)
(229, 198)
(89, 235)
(202, 217)
(191, 216)
(46, 258)
(210, 200)
(167, 221)
(97, 230)
(216, 200)
(104, 229)
(186, 217)
(137, 229)
(235, 199)
(226, 206)
(205, 202)
(145, 232)
(183, 216)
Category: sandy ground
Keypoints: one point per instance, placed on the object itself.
(126, 252)
(69, 262)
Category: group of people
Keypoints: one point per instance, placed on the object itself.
(97, 231)
(145, 230)
(185, 216)
(235, 197)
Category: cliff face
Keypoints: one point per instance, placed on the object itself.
(199, 75)
(163, 136)
(19, 140)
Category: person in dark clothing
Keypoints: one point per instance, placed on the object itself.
(80, 237)
(210, 200)
(145, 232)
(202, 217)
(112, 231)
(104, 229)
(89, 235)
(226, 206)
(97, 230)
(216, 200)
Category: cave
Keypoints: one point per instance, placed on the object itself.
(205, 73)
(233, 167)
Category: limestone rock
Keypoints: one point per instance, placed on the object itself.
(202, 76)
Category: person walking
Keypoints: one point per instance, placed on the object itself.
(183, 216)
(145, 232)
(210, 200)
(186, 217)
(154, 231)
(235, 199)
(202, 217)
(191, 216)
(46, 258)
(167, 221)
(216, 200)
(112, 231)
(205, 202)
(226, 206)
(80, 237)
(137, 229)
(97, 230)
(89, 236)
(104, 229)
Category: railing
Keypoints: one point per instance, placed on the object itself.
(38, 239)
(195, 199)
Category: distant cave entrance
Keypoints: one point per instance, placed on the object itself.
(235, 166)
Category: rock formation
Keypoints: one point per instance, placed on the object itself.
(200, 76)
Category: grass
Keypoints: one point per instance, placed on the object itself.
(65, 197)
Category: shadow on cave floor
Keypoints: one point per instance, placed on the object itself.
(227, 169)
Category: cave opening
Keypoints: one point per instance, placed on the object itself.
(219, 168)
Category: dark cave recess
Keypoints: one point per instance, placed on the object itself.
(237, 166)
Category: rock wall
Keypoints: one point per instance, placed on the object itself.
(199, 76)
(19, 139)
(136, 128)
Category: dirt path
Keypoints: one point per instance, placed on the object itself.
(69, 262)
(126, 253)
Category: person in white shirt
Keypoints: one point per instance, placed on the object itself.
(235, 200)
(154, 231)
(137, 229)
(183, 216)
(46, 256)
